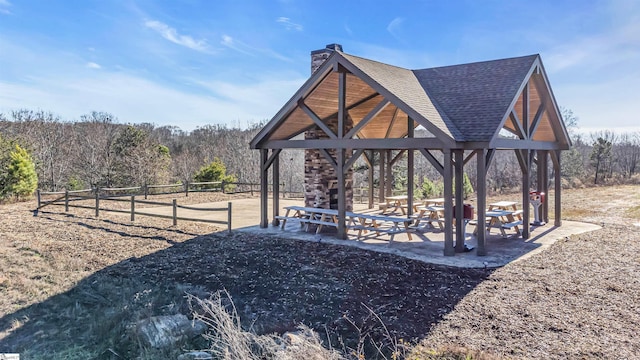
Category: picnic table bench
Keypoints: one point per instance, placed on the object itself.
(380, 224)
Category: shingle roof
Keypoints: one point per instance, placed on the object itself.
(405, 86)
(476, 96)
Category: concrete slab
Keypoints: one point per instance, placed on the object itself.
(427, 246)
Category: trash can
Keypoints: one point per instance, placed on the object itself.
(467, 211)
(536, 198)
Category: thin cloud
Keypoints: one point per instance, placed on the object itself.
(172, 35)
(288, 24)
(238, 46)
(92, 65)
(394, 27)
(241, 47)
(4, 7)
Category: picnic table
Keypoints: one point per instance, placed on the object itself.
(380, 223)
(430, 214)
(507, 205)
(354, 221)
(502, 220)
(396, 202)
(434, 202)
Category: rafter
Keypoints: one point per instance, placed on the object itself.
(436, 164)
(316, 119)
(372, 114)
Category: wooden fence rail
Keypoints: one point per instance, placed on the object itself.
(68, 197)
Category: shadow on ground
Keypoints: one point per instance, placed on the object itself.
(275, 284)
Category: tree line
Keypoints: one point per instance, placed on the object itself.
(97, 150)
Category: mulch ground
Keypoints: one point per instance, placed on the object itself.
(76, 282)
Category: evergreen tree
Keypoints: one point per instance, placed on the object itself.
(21, 178)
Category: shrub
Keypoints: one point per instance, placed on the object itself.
(215, 171)
(20, 178)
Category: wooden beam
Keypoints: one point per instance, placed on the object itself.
(329, 158)
(392, 122)
(372, 114)
(397, 157)
(536, 119)
(434, 162)
(352, 159)
(490, 155)
(466, 160)
(382, 144)
(274, 155)
(342, 113)
(525, 111)
(526, 144)
(516, 123)
(316, 119)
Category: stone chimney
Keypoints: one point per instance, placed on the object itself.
(320, 179)
(318, 57)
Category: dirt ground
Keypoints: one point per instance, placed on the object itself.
(73, 286)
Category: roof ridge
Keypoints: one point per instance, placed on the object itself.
(479, 62)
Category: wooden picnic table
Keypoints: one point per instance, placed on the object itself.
(502, 219)
(374, 222)
(430, 214)
(396, 202)
(507, 205)
(434, 202)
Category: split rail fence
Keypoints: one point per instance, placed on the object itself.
(69, 199)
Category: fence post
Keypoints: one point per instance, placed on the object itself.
(66, 200)
(97, 201)
(223, 183)
(229, 217)
(251, 188)
(38, 196)
(186, 189)
(133, 208)
(146, 191)
(175, 212)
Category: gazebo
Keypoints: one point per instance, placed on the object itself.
(352, 107)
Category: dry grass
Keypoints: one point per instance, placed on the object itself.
(71, 286)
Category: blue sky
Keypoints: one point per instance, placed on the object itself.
(195, 62)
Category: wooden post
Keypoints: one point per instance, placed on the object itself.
(146, 191)
(371, 194)
(186, 189)
(175, 212)
(229, 216)
(97, 201)
(481, 201)
(410, 169)
(545, 185)
(557, 198)
(389, 176)
(275, 172)
(66, 200)
(448, 204)
(526, 213)
(264, 191)
(381, 181)
(459, 197)
(342, 207)
(133, 208)
(39, 200)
